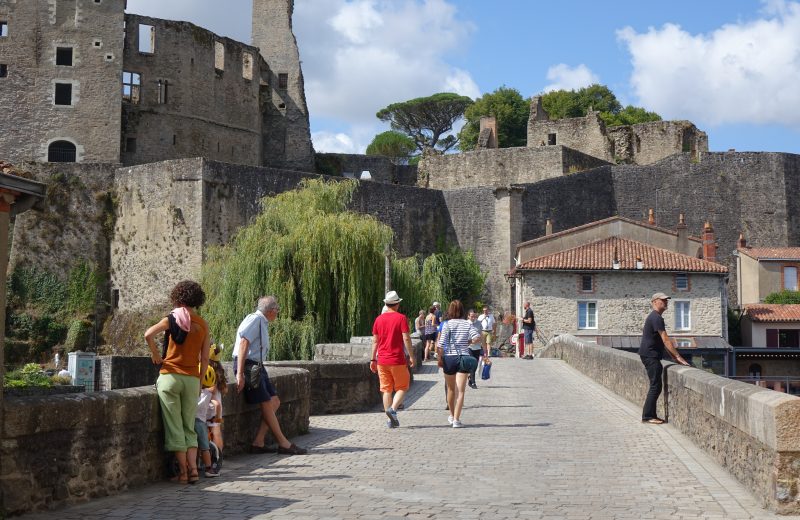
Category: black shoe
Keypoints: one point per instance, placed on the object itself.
(262, 449)
(473, 385)
(294, 449)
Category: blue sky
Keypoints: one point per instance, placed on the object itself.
(732, 67)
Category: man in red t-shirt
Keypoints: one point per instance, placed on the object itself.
(391, 343)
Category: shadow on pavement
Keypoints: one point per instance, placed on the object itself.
(478, 425)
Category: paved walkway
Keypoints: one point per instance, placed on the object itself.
(541, 441)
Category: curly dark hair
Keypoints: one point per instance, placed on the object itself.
(187, 293)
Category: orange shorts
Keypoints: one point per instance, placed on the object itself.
(393, 377)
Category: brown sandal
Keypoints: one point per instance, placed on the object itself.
(182, 478)
(194, 476)
(654, 420)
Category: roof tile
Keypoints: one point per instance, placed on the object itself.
(767, 253)
(772, 312)
(599, 256)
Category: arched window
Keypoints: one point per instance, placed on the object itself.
(754, 371)
(61, 151)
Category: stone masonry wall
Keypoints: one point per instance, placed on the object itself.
(31, 119)
(587, 134)
(623, 302)
(381, 168)
(501, 166)
(750, 431)
(69, 448)
(189, 104)
(75, 224)
(287, 141)
(169, 212)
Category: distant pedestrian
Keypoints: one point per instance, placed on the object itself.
(529, 329)
(475, 349)
(488, 329)
(455, 358)
(438, 312)
(431, 324)
(654, 341)
(419, 325)
(391, 356)
(252, 347)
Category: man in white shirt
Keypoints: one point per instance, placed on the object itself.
(488, 328)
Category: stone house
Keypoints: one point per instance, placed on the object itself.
(595, 282)
(765, 270)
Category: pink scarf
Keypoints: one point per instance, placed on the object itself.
(182, 318)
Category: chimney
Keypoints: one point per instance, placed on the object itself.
(548, 227)
(615, 263)
(709, 244)
(741, 243)
(682, 244)
(487, 136)
(651, 217)
(639, 263)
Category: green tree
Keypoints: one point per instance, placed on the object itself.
(561, 104)
(426, 120)
(392, 144)
(511, 111)
(783, 297)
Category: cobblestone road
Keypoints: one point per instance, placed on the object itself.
(541, 441)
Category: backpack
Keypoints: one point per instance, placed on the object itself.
(178, 335)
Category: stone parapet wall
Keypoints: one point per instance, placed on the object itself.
(117, 372)
(71, 448)
(338, 386)
(360, 348)
(501, 166)
(749, 430)
(380, 168)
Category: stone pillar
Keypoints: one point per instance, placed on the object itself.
(487, 138)
(5, 209)
(507, 234)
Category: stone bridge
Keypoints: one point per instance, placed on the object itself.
(542, 440)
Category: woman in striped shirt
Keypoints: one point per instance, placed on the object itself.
(455, 359)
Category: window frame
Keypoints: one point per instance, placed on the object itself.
(582, 278)
(588, 304)
(60, 49)
(678, 315)
(4, 28)
(677, 287)
(56, 85)
(283, 80)
(3, 70)
(784, 267)
(134, 87)
(149, 30)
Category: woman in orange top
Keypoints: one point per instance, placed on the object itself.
(178, 384)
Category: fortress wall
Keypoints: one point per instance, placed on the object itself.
(587, 134)
(381, 168)
(75, 224)
(656, 140)
(30, 118)
(791, 176)
(170, 212)
(206, 111)
(502, 166)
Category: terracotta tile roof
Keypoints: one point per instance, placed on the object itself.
(775, 253)
(772, 312)
(596, 223)
(599, 256)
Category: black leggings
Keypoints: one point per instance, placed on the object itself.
(477, 355)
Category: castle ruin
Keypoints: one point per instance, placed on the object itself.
(134, 101)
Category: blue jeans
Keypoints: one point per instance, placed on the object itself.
(528, 336)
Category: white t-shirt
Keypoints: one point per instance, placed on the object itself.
(487, 322)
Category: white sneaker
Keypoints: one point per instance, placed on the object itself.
(457, 424)
(450, 419)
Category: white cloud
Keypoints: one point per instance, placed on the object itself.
(564, 77)
(333, 142)
(744, 72)
(361, 55)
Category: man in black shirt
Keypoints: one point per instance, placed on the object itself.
(654, 341)
(528, 327)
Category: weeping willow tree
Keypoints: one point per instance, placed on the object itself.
(323, 263)
(451, 275)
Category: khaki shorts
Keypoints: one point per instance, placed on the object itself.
(488, 339)
(393, 377)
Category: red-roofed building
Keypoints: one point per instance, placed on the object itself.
(595, 281)
(765, 270)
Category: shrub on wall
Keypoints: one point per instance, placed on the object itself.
(783, 297)
(79, 335)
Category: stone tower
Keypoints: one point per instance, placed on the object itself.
(287, 137)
